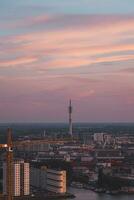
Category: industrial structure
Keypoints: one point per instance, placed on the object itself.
(70, 118)
(9, 163)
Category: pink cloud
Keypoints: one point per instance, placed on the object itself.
(18, 61)
(60, 65)
(74, 47)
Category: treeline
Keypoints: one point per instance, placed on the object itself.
(112, 183)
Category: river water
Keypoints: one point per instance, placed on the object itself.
(82, 194)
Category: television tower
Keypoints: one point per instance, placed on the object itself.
(70, 118)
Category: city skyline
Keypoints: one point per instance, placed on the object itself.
(51, 51)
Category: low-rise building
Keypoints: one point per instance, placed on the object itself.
(56, 181)
(98, 137)
(49, 179)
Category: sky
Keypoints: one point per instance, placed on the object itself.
(55, 50)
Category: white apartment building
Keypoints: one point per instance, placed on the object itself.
(21, 178)
(99, 137)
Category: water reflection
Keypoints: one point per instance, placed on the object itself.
(82, 194)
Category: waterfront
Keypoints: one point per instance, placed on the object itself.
(82, 194)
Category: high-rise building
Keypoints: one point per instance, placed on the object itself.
(38, 177)
(21, 179)
(70, 118)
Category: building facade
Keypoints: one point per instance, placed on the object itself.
(38, 177)
(98, 137)
(56, 181)
(51, 180)
(21, 178)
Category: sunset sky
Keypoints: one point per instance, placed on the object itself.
(54, 50)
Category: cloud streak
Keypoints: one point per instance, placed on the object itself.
(65, 48)
(49, 58)
(18, 61)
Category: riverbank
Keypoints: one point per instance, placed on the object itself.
(125, 190)
(44, 197)
(82, 194)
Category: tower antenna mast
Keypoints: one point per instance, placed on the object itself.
(70, 118)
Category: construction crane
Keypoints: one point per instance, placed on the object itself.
(9, 164)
